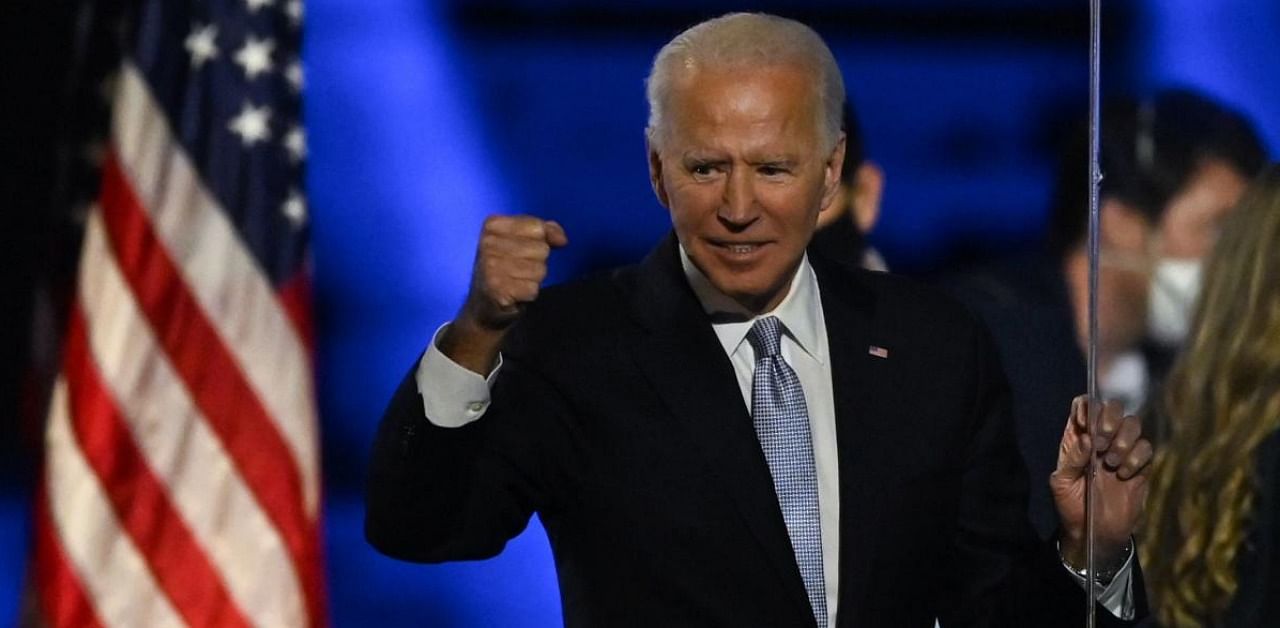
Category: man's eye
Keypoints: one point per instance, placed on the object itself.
(772, 171)
(702, 170)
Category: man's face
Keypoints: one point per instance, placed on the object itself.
(743, 171)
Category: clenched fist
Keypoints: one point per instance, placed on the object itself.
(511, 262)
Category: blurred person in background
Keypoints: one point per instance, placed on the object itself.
(844, 224)
(1172, 166)
(1211, 539)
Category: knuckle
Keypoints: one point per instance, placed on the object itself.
(522, 224)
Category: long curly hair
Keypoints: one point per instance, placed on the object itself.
(1222, 399)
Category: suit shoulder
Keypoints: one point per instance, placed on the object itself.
(913, 303)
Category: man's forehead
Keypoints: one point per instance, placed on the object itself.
(746, 91)
(747, 101)
(694, 72)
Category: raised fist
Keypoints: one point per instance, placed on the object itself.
(511, 262)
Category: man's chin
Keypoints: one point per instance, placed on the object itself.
(750, 285)
(751, 296)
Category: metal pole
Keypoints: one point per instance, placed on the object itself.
(1095, 178)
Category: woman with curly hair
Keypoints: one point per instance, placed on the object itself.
(1210, 546)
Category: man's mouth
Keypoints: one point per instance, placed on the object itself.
(739, 248)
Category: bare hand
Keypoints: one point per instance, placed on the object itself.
(511, 262)
(1120, 484)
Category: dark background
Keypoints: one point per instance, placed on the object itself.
(424, 116)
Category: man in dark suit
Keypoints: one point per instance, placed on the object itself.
(732, 433)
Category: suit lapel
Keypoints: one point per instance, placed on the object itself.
(685, 363)
(858, 379)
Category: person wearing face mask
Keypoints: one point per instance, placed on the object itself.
(1213, 153)
(1211, 538)
(1174, 286)
(1173, 166)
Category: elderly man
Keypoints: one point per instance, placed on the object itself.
(732, 433)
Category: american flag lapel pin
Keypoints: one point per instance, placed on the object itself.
(879, 352)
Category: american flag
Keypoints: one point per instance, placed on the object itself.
(181, 479)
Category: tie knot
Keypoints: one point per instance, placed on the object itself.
(766, 337)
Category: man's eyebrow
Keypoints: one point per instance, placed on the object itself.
(775, 160)
(704, 158)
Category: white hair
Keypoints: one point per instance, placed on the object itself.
(739, 40)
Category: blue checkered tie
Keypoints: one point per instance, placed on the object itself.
(782, 425)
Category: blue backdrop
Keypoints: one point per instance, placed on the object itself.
(424, 116)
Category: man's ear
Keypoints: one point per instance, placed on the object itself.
(831, 175)
(655, 172)
(836, 209)
(868, 188)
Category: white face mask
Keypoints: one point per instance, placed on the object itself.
(1175, 284)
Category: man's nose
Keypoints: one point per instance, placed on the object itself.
(738, 207)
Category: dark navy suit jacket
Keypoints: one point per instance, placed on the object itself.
(618, 419)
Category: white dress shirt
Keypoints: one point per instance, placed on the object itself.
(454, 396)
(804, 348)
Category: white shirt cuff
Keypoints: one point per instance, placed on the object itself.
(452, 395)
(1117, 597)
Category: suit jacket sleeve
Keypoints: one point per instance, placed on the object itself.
(437, 494)
(1004, 575)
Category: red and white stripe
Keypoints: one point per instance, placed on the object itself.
(182, 478)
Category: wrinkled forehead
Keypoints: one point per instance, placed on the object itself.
(772, 94)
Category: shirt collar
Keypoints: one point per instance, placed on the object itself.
(800, 311)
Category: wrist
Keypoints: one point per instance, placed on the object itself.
(1108, 561)
(471, 345)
